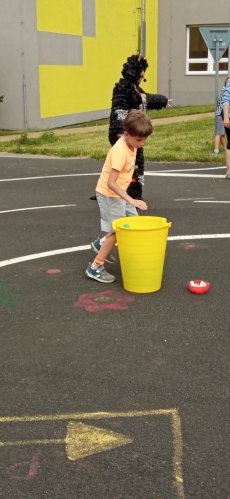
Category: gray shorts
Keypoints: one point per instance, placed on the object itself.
(113, 208)
(220, 130)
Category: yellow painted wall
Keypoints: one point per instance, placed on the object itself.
(58, 16)
(76, 89)
(151, 45)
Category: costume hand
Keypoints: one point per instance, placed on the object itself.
(168, 103)
(139, 204)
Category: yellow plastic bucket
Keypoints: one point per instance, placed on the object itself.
(141, 245)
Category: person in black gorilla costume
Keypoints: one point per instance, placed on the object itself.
(127, 95)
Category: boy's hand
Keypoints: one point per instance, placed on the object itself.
(139, 204)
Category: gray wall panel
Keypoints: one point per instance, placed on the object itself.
(73, 119)
(193, 98)
(19, 65)
(30, 67)
(59, 49)
(11, 66)
(89, 17)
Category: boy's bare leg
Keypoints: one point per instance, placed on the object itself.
(107, 246)
(96, 269)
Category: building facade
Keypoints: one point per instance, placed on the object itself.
(186, 71)
(61, 58)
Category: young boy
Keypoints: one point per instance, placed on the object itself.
(112, 198)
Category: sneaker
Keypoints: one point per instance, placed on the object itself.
(99, 274)
(95, 245)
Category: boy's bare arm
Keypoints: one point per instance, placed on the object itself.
(112, 184)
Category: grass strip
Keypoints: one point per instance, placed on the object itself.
(162, 113)
(185, 141)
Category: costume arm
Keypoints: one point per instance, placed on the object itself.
(156, 101)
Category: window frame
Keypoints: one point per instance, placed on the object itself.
(209, 60)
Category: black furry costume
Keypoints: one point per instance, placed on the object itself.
(128, 95)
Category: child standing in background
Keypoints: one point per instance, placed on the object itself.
(220, 130)
(226, 122)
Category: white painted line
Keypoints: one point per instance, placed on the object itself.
(36, 256)
(43, 255)
(199, 236)
(189, 169)
(201, 175)
(211, 201)
(38, 156)
(151, 173)
(190, 199)
(39, 208)
(48, 176)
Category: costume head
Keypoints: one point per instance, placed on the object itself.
(133, 68)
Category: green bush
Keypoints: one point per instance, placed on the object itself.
(49, 137)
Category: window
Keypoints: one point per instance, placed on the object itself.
(199, 59)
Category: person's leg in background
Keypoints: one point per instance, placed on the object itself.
(220, 135)
(216, 144)
(135, 188)
(223, 141)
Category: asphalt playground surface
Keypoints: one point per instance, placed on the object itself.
(107, 394)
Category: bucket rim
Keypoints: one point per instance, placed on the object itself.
(117, 227)
(138, 230)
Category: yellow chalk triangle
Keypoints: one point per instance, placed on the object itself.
(83, 440)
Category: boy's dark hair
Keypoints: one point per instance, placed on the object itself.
(137, 123)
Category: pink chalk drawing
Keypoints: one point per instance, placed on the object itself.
(33, 468)
(53, 271)
(95, 302)
(194, 246)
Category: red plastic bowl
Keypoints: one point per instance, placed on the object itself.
(199, 287)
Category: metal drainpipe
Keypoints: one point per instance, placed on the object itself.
(170, 49)
(23, 67)
(24, 103)
(143, 28)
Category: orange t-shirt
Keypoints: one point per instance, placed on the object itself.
(120, 158)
